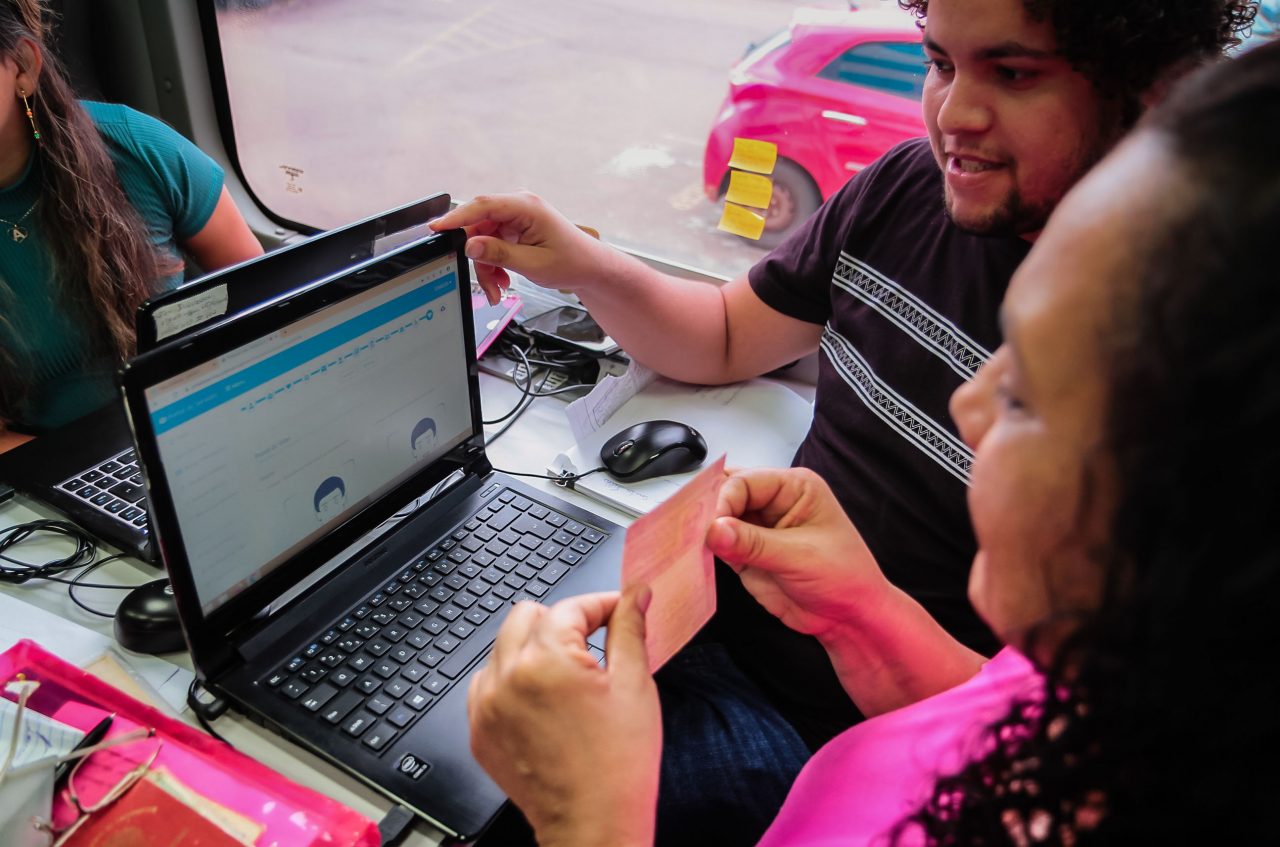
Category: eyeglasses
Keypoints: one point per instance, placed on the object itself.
(114, 771)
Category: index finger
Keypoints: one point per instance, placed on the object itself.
(500, 208)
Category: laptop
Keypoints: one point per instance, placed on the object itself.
(88, 469)
(272, 443)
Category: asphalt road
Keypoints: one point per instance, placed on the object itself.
(343, 108)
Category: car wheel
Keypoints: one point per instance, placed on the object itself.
(795, 198)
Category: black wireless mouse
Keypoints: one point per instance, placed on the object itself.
(147, 620)
(653, 448)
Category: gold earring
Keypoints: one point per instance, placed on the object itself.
(35, 133)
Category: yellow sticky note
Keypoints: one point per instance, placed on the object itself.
(755, 156)
(742, 221)
(749, 189)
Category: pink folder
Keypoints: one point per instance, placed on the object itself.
(294, 816)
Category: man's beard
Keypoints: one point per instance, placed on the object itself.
(1016, 216)
(1012, 218)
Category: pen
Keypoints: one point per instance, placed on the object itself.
(91, 738)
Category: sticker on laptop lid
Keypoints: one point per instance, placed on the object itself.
(173, 318)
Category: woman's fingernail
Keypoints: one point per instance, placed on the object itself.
(474, 250)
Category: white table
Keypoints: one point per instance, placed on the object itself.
(528, 446)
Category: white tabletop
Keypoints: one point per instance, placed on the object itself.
(528, 446)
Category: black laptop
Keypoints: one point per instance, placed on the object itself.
(88, 469)
(272, 443)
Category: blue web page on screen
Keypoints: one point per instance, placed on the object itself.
(271, 445)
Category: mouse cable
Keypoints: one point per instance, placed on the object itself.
(18, 571)
(564, 480)
(75, 582)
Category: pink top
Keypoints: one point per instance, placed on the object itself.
(865, 780)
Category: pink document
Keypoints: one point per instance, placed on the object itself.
(667, 550)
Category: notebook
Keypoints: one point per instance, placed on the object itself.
(88, 470)
(273, 442)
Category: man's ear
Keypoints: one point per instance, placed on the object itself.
(30, 61)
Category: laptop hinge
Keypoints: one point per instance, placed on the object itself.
(266, 635)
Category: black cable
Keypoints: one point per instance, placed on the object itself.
(577, 386)
(396, 825)
(526, 392)
(527, 402)
(18, 571)
(206, 712)
(75, 583)
(565, 479)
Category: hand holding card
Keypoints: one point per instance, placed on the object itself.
(667, 550)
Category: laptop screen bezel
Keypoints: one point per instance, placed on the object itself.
(211, 636)
(286, 268)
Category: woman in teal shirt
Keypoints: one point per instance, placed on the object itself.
(95, 202)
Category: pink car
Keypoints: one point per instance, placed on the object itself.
(834, 91)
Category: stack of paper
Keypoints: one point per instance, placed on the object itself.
(83, 646)
(757, 423)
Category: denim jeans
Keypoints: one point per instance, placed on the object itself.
(729, 758)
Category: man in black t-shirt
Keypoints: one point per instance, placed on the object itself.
(897, 281)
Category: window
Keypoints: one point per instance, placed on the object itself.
(891, 68)
(616, 113)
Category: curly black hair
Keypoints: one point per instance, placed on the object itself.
(1157, 724)
(1126, 46)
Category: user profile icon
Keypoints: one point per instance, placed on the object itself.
(330, 498)
(423, 438)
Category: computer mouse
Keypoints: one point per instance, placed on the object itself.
(653, 448)
(147, 619)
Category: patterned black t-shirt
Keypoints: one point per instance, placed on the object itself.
(909, 305)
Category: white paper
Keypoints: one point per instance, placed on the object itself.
(81, 646)
(40, 737)
(758, 423)
(590, 412)
(174, 318)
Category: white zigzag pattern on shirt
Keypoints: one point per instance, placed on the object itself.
(911, 314)
(895, 410)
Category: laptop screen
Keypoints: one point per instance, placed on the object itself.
(274, 443)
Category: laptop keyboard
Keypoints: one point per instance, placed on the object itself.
(115, 488)
(384, 663)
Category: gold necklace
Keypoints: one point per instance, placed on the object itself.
(19, 233)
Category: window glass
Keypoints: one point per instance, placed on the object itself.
(891, 68)
(620, 114)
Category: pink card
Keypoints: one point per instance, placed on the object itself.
(667, 550)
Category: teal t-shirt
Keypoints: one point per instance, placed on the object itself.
(173, 185)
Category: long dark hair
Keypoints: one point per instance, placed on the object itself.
(1158, 721)
(103, 257)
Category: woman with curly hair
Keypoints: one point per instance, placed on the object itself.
(1124, 439)
(95, 200)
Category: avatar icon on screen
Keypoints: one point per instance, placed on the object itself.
(331, 498)
(423, 438)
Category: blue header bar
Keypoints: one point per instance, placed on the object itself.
(212, 396)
